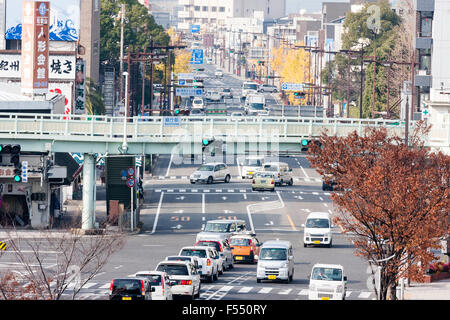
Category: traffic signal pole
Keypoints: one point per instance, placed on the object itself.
(89, 191)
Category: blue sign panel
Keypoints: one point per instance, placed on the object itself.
(188, 92)
(195, 28)
(197, 56)
(172, 121)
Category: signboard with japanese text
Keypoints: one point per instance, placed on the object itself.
(80, 91)
(60, 67)
(64, 18)
(108, 92)
(197, 56)
(35, 34)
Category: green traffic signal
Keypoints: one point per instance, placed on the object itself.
(205, 142)
(304, 142)
(17, 178)
(177, 111)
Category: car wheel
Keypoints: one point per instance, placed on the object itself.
(330, 244)
(291, 277)
(253, 189)
(304, 245)
(210, 180)
(227, 178)
(273, 189)
(192, 182)
(198, 292)
(291, 182)
(215, 276)
(211, 279)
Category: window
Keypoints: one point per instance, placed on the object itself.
(221, 9)
(425, 60)
(425, 24)
(197, 8)
(204, 8)
(214, 9)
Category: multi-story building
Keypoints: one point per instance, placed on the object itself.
(90, 37)
(217, 12)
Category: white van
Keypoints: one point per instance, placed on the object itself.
(318, 229)
(275, 261)
(282, 171)
(251, 165)
(327, 282)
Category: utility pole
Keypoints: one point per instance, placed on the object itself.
(151, 78)
(122, 21)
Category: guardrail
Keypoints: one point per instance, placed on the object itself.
(107, 127)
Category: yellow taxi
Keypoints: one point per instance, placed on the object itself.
(263, 181)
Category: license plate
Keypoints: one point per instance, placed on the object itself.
(239, 258)
(250, 172)
(317, 242)
(325, 298)
(272, 277)
(263, 181)
(126, 298)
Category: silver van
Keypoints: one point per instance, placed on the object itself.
(282, 172)
(275, 261)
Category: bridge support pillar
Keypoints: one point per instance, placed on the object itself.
(89, 192)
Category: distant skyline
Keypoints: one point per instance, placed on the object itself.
(311, 6)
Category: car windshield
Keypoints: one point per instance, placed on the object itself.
(252, 162)
(264, 175)
(216, 227)
(273, 254)
(179, 259)
(213, 244)
(155, 279)
(206, 168)
(201, 253)
(330, 274)
(125, 286)
(240, 242)
(269, 167)
(317, 223)
(173, 270)
(257, 106)
(252, 86)
(226, 90)
(198, 101)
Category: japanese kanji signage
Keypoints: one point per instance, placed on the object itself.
(80, 89)
(35, 35)
(60, 67)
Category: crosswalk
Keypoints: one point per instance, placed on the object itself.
(296, 179)
(100, 291)
(235, 190)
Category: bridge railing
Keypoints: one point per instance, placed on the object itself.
(101, 127)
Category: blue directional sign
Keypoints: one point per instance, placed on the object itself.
(172, 122)
(181, 82)
(292, 86)
(197, 56)
(188, 92)
(195, 28)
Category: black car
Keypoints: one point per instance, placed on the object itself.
(130, 289)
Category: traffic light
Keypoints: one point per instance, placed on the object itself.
(198, 84)
(305, 144)
(18, 174)
(199, 69)
(299, 95)
(15, 159)
(206, 142)
(177, 112)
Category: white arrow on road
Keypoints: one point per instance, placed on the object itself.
(228, 211)
(179, 211)
(178, 226)
(269, 224)
(224, 198)
(180, 198)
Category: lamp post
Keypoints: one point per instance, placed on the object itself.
(124, 143)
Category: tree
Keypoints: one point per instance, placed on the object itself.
(47, 263)
(94, 99)
(395, 200)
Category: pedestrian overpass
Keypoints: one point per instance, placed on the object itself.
(111, 136)
(159, 135)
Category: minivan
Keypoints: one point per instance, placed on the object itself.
(317, 229)
(327, 282)
(275, 261)
(282, 171)
(222, 229)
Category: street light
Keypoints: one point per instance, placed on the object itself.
(124, 143)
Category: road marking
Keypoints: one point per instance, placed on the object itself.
(239, 167)
(245, 289)
(203, 203)
(325, 205)
(291, 222)
(321, 199)
(303, 292)
(157, 212)
(315, 193)
(348, 293)
(245, 196)
(106, 286)
(265, 290)
(304, 172)
(364, 295)
(285, 291)
(170, 163)
(89, 285)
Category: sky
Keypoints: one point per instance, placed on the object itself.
(311, 6)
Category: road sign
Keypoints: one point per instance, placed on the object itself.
(131, 182)
(172, 122)
(138, 161)
(130, 171)
(24, 171)
(185, 76)
(188, 92)
(124, 175)
(197, 56)
(195, 28)
(181, 82)
(292, 86)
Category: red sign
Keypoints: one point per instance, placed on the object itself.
(35, 35)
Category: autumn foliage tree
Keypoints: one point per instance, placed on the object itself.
(394, 200)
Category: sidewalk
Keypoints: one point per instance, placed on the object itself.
(439, 290)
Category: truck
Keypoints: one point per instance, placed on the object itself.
(255, 103)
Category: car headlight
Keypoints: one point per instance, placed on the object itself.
(285, 265)
(307, 234)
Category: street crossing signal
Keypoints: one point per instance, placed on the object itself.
(300, 95)
(18, 174)
(199, 69)
(305, 144)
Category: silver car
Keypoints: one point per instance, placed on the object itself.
(211, 172)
